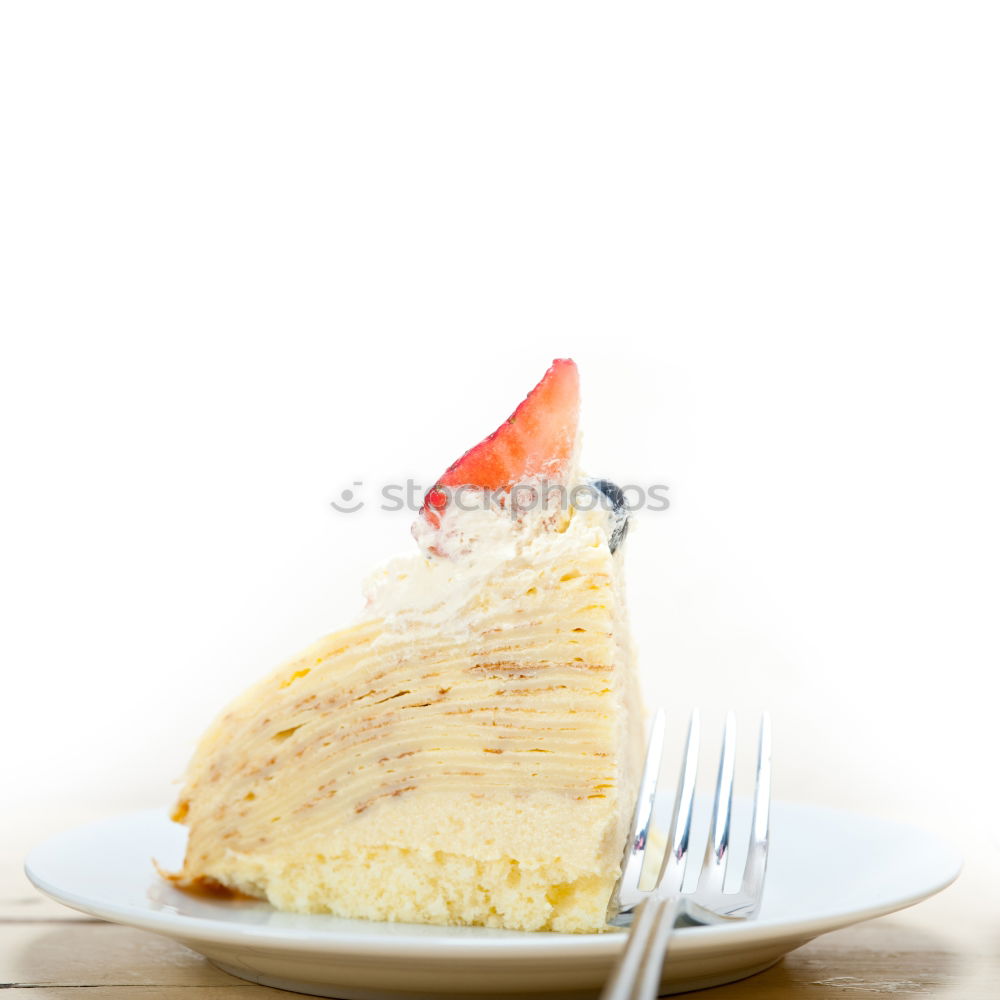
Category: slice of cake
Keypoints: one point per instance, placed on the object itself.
(468, 752)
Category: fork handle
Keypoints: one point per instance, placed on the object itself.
(636, 975)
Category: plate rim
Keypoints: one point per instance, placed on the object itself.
(519, 945)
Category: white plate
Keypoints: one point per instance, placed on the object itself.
(827, 869)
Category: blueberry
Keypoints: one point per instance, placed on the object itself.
(614, 497)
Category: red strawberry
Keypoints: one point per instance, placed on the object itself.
(536, 441)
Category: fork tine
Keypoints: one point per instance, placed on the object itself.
(756, 866)
(713, 871)
(675, 857)
(627, 887)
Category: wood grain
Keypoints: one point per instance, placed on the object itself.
(884, 958)
(237, 991)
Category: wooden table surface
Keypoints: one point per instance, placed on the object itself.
(948, 946)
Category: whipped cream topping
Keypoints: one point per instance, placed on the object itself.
(432, 590)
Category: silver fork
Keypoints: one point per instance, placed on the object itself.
(654, 913)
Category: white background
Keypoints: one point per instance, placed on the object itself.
(251, 254)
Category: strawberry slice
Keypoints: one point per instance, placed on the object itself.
(536, 441)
